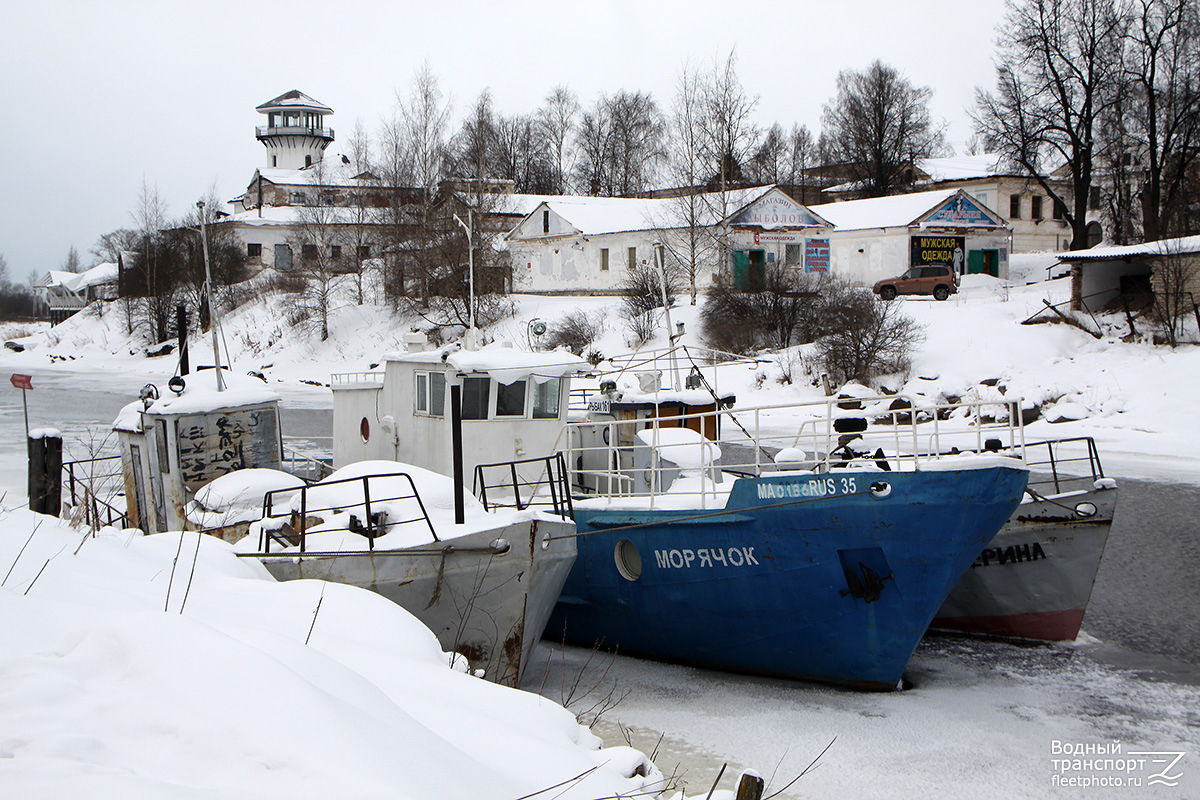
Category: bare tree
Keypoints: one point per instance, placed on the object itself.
(1057, 70)
(556, 122)
(621, 143)
(318, 235)
(413, 154)
(731, 135)
(1176, 282)
(110, 245)
(877, 125)
(1163, 66)
(72, 262)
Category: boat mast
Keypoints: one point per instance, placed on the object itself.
(662, 284)
(212, 309)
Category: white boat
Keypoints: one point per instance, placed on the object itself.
(484, 582)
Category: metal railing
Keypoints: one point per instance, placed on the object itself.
(87, 480)
(526, 483)
(642, 457)
(377, 510)
(1057, 466)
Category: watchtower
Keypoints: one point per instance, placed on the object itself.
(295, 134)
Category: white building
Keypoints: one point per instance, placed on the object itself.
(570, 244)
(881, 237)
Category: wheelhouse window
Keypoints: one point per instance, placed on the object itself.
(475, 396)
(430, 393)
(422, 392)
(546, 398)
(510, 399)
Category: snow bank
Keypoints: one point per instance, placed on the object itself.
(161, 666)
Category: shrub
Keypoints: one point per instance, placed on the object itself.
(575, 331)
(865, 337)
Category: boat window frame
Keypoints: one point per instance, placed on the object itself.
(435, 393)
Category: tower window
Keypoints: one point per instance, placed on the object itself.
(274, 161)
(307, 161)
(545, 222)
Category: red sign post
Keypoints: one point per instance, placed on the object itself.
(23, 382)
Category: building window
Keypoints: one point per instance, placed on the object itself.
(335, 251)
(545, 399)
(1035, 207)
(308, 251)
(364, 251)
(632, 257)
(792, 255)
(274, 161)
(297, 198)
(510, 399)
(283, 256)
(307, 161)
(545, 221)
(1060, 209)
(254, 251)
(1094, 199)
(475, 397)
(1014, 207)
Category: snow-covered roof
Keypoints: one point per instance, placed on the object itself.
(294, 99)
(1166, 247)
(896, 211)
(597, 215)
(74, 281)
(200, 394)
(960, 168)
(505, 364)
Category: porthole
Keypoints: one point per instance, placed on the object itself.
(628, 560)
(1085, 510)
(364, 430)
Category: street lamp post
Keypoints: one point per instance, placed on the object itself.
(212, 310)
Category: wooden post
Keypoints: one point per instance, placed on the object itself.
(750, 787)
(45, 473)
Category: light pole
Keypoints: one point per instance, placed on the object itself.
(468, 228)
(212, 310)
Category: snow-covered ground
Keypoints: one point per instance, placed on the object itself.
(103, 693)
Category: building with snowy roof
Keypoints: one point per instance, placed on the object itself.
(59, 294)
(1037, 220)
(1130, 276)
(572, 244)
(881, 237)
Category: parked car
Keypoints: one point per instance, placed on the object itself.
(938, 280)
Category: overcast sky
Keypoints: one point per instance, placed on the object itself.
(96, 98)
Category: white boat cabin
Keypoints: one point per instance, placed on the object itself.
(173, 445)
(513, 407)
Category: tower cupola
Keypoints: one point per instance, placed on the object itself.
(295, 134)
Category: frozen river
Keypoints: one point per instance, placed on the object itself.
(982, 718)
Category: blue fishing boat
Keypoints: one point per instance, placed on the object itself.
(810, 540)
(824, 578)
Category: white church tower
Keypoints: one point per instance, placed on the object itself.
(295, 134)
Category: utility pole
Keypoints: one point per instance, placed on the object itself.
(468, 227)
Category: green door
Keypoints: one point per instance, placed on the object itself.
(984, 262)
(741, 269)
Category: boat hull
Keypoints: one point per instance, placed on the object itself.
(489, 606)
(1034, 580)
(802, 576)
